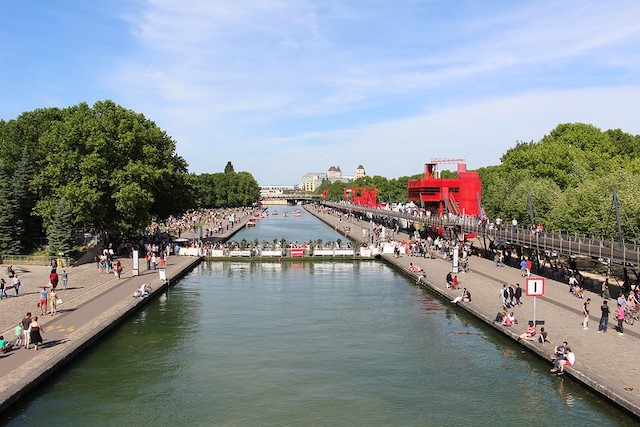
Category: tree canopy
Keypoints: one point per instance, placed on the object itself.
(571, 174)
(113, 168)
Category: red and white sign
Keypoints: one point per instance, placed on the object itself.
(535, 287)
(297, 252)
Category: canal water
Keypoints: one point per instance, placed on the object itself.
(285, 225)
(305, 344)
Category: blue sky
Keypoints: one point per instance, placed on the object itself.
(285, 87)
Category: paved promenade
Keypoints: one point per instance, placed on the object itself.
(92, 304)
(605, 362)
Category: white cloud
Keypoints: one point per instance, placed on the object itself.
(480, 132)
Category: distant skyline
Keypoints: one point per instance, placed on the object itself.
(285, 87)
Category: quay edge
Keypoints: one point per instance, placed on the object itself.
(48, 362)
(580, 373)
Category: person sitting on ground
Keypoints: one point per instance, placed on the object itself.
(573, 282)
(5, 346)
(455, 283)
(569, 360)
(563, 357)
(530, 333)
(143, 291)
(513, 319)
(465, 297)
(449, 279)
(499, 317)
(543, 337)
(10, 272)
(579, 291)
(506, 319)
(559, 352)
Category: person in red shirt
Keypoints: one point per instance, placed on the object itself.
(53, 278)
(454, 282)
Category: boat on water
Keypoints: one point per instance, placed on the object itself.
(274, 213)
(286, 215)
(297, 213)
(252, 222)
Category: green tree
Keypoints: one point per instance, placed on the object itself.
(61, 232)
(25, 201)
(11, 226)
(92, 159)
(228, 168)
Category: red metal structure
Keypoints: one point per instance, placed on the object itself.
(361, 196)
(460, 196)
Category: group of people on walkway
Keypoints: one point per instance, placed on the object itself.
(15, 283)
(28, 332)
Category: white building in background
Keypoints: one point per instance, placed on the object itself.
(311, 181)
(360, 172)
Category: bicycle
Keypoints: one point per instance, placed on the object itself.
(630, 316)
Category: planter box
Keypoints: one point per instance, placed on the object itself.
(271, 253)
(240, 253)
(323, 252)
(344, 252)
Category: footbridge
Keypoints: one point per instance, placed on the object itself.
(291, 199)
(553, 243)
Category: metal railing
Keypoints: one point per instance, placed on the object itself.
(33, 260)
(606, 250)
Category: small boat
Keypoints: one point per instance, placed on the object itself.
(286, 215)
(274, 213)
(252, 223)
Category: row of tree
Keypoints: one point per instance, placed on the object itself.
(100, 168)
(570, 175)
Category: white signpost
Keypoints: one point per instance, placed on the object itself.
(535, 288)
(455, 259)
(136, 263)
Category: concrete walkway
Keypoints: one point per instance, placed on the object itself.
(91, 307)
(605, 362)
(92, 304)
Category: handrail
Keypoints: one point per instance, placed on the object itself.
(547, 241)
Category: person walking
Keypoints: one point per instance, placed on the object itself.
(26, 321)
(604, 317)
(16, 284)
(35, 333)
(518, 294)
(65, 279)
(620, 318)
(605, 289)
(585, 314)
(53, 278)
(44, 300)
(19, 335)
(3, 285)
(53, 302)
